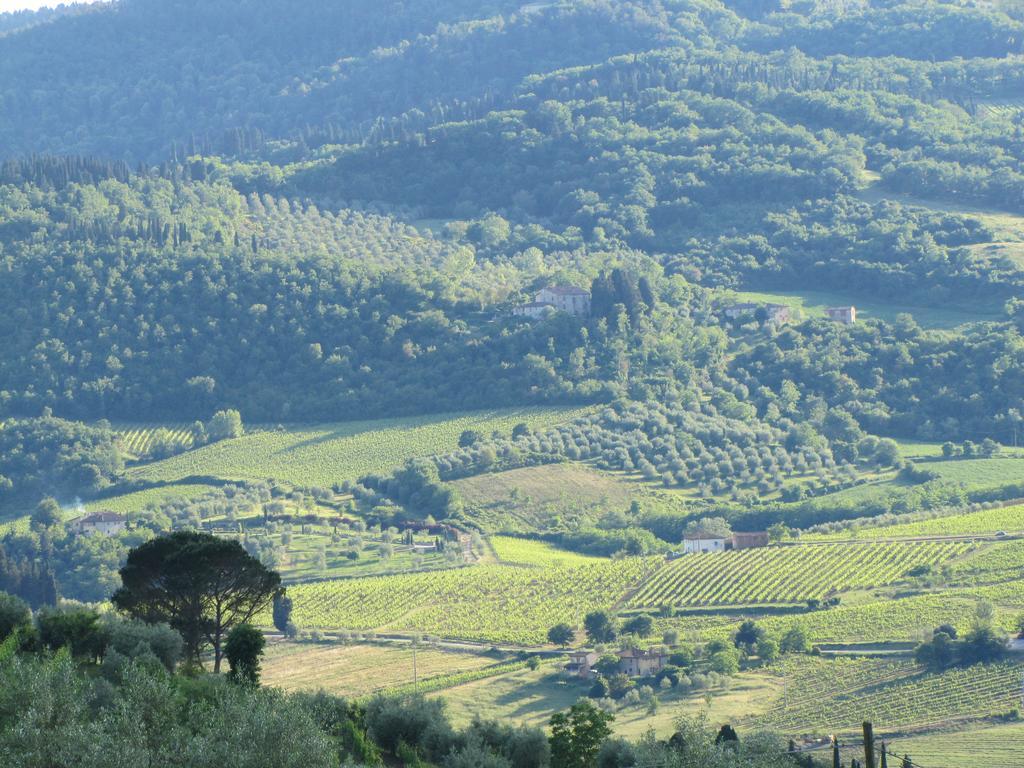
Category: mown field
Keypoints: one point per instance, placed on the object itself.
(813, 303)
(992, 746)
(360, 669)
(325, 454)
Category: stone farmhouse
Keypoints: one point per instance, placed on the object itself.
(581, 663)
(641, 663)
(106, 523)
(750, 539)
(556, 298)
(777, 314)
(844, 315)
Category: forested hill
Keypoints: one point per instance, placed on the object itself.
(138, 78)
(320, 210)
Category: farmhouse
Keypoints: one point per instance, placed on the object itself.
(776, 314)
(565, 298)
(704, 542)
(107, 523)
(641, 663)
(749, 539)
(581, 663)
(535, 309)
(844, 315)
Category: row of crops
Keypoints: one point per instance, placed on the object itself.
(831, 696)
(983, 521)
(493, 603)
(787, 574)
(326, 454)
(138, 439)
(514, 551)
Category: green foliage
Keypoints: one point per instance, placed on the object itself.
(14, 613)
(52, 456)
(244, 649)
(561, 634)
(200, 585)
(578, 735)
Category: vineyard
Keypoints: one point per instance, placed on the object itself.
(980, 522)
(786, 574)
(496, 603)
(327, 454)
(996, 746)
(137, 439)
(513, 551)
(836, 696)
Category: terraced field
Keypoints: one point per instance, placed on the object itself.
(496, 603)
(837, 695)
(326, 454)
(786, 574)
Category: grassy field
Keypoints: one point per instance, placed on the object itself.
(813, 303)
(326, 454)
(981, 474)
(991, 746)
(520, 500)
(358, 670)
(530, 698)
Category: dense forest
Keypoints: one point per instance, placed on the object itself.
(317, 213)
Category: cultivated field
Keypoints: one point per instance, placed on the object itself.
(491, 603)
(986, 521)
(513, 551)
(992, 746)
(322, 455)
(786, 574)
(358, 670)
(837, 695)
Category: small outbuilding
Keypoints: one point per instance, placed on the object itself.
(581, 663)
(704, 542)
(844, 315)
(637, 662)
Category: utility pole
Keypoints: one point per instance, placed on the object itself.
(869, 745)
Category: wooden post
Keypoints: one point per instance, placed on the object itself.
(869, 745)
(835, 753)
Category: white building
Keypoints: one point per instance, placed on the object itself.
(844, 315)
(566, 298)
(704, 542)
(107, 523)
(534, 309)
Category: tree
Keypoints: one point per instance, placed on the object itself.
(600, 627)
(794, 641)
(200, 585)
(225, 425)
(767, 649)
(726, 662)
(577, 736)
(469, 438)
(244, 649)
(641, 626)
(77, 629)
(282, 612)
(14, 613)
(937, 654)
(748, 635)
(46, 514)
(561, 634)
